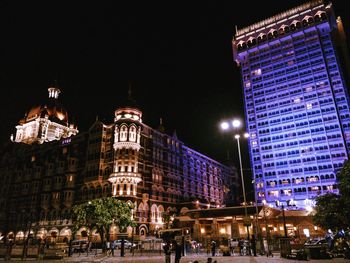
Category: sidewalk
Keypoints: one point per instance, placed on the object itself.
(201, 258)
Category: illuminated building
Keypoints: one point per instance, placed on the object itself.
(293, 71)
(45, 122)
(127, 159)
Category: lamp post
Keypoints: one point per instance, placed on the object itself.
(226, 126)
(284, 218)
(267, 230)
(237, 136)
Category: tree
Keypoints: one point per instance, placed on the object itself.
(169, 217)
(101, 213)
(332, 210)
(344, 189)
(329, 212)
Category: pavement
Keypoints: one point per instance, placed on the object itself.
(201, 258)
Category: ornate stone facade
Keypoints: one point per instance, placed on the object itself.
(127, 159)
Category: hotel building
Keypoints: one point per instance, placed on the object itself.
(294, 75)
(49, 168)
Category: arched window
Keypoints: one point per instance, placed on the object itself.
(317, 18)
(310, 20)
(153, 213)
(123, 133)
(292, 27)
(116, 134)
(281, 31)
(305, 22)
(140, 211)
(132, 133)
(160, 214)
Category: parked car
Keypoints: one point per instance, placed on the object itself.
(316, 241)
(79, 245)
(127, 244)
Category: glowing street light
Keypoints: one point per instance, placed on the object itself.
(236, 124)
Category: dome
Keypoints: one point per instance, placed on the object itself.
(52, 110)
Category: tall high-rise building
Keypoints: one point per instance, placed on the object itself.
(296, 102)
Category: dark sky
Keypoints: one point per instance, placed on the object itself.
(176, 54)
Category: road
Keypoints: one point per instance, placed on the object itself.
(201, 258)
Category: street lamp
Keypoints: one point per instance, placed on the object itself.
(284, 217)
(226, 126)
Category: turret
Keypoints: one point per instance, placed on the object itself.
(127, 135)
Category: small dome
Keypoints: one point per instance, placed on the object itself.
(53, 110)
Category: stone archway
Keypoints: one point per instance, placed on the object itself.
(143, 230)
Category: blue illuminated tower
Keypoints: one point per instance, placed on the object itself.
(293, 70)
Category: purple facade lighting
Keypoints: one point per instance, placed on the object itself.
(296, 103)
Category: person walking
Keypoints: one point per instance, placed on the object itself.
(178, 251)
(88, 248)
(167, 251)
(113, 245)
(108, 248)
(213, 248)
(208, 249)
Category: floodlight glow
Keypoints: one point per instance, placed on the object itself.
(236, 123)
(225, 125)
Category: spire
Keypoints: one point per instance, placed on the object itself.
(130, 101)
(161, 127)
(175, 135)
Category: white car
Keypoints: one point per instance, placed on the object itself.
(127, 244)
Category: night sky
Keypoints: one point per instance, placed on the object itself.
(177, 56)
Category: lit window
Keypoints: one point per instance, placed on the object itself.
(247, 85)
(308, 89)
(256, 72)
(28, 131)
(297, 100)
(261, 194)
(260, 185)
(273, 193)
(313, 179)
(254, 143)
(329, 187)
(298, 181)
(309, 106)
(287, 192)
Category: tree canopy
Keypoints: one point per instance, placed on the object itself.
(332, 210)
(101, 213)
